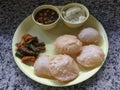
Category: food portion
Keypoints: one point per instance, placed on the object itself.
(29, 47)
(91, 56)
(68, 44)
(74, 14)
(89, 36)
(73, 53)
(41, 66)
(60, 67)
(46, 16)
(63, 68)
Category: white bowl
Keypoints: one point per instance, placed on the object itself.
(46, 26)
(74, 25)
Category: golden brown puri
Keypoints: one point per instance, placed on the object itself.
(89, 36)
(41, 66)
(68, 44)
(91, 56)
(63, 68)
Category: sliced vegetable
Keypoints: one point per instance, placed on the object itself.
(25, 51)
(19, 54)
(29, 47)
(28, 58)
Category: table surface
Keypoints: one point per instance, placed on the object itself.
(13, 12)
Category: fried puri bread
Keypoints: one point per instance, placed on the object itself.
(91, 56)
(89, 36)
(63, 68)
(68, 44)
(41, 66)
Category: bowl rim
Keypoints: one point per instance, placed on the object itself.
(72, 5)
(45, 6)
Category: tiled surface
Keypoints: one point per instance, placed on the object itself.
(12, 12)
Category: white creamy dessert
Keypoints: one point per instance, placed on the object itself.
(74, 14)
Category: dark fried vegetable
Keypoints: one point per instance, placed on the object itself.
(35, 39)
(19, 54)
(36, 44)
(25, 51)
(29, 47)
(28, 58)
(29, 42)
(33, 48)
(22, 42)
(41, 47)
(27, 37)
(41, 44)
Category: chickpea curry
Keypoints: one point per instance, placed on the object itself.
(46, 16)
